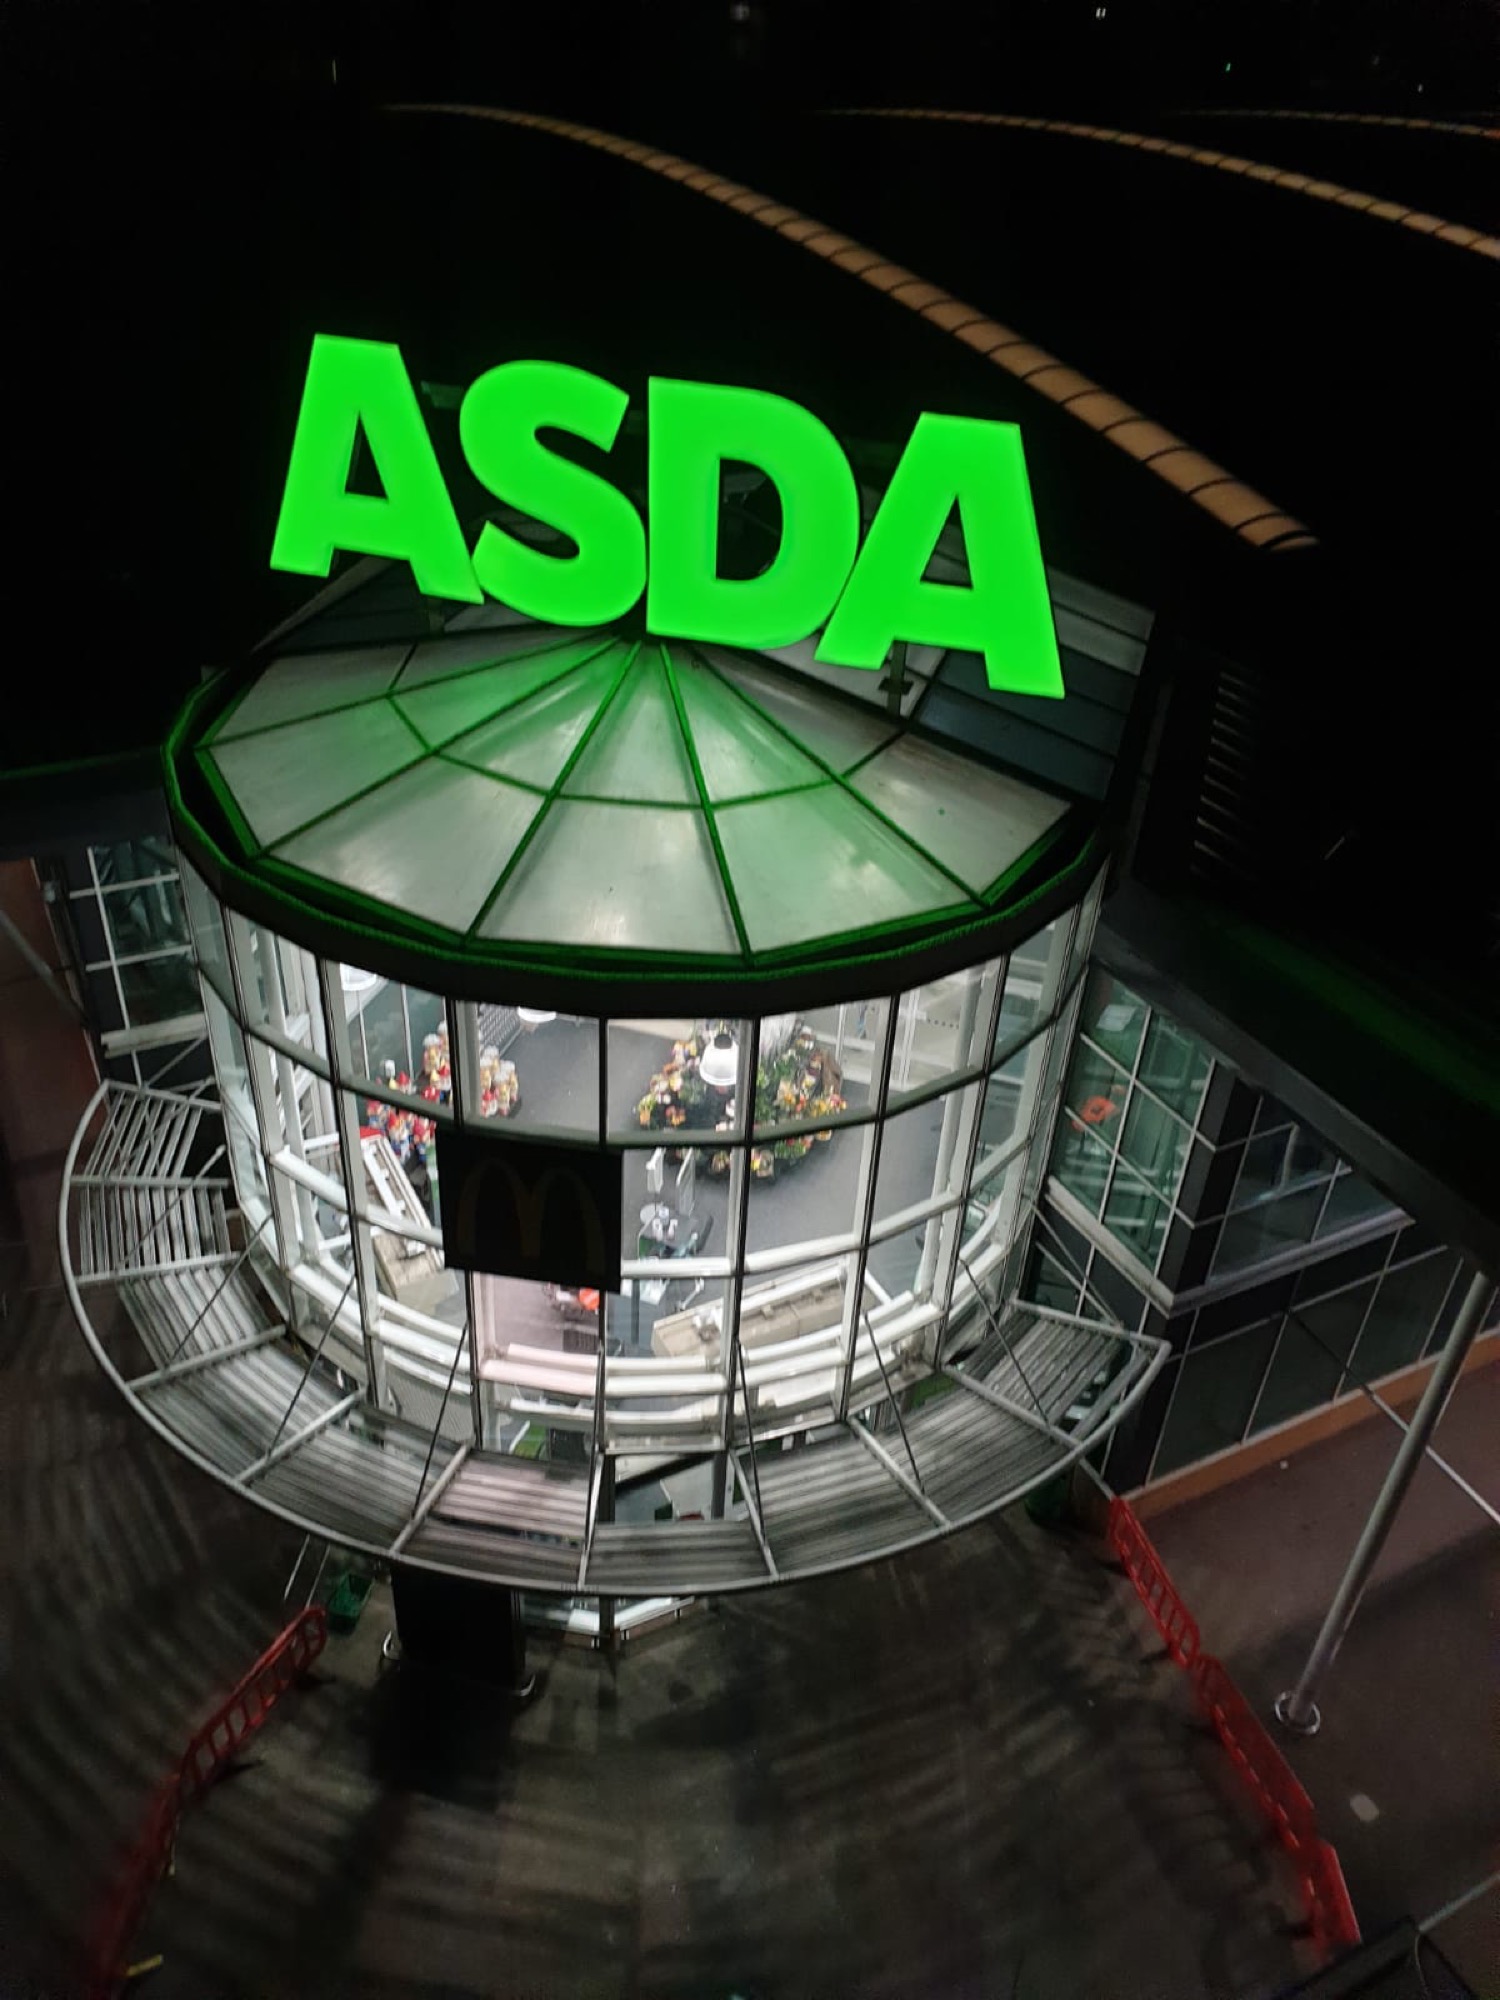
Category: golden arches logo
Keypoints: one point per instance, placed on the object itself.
(529, 1206)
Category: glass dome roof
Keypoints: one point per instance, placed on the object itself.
(526, 796)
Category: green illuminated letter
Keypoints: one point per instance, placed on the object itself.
(498, 426)
(1004, 611)
(696, 425)
(349, 383)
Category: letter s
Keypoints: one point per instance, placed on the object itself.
(497, 425)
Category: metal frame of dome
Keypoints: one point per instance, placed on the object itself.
(230, 725)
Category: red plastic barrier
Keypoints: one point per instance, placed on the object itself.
(125, 1910)
(218, 1742)
(215, 1744)
(1266, 1773)
(1155, 1588)
(1330, 1914)
(1271, 1781)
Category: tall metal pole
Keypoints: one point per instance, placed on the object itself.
(1296, 1709)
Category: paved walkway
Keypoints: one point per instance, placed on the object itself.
(1405, 1772)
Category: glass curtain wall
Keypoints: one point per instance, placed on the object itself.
(814, 1203)
(1135, 1087)
(129, 932)
(1311, 1282)
(1337, 1334)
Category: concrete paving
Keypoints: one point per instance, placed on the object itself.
(1405, 1771)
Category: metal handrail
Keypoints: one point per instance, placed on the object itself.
(895, 1407)
(996, 1328)
(749, 1432)
(458, 1348)
(142, 1240)
(213, 1297)
(312, 1361)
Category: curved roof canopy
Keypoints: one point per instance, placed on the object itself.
(578, 813)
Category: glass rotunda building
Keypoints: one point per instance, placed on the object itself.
(636, 1065)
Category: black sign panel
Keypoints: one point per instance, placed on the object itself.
(524, 1208)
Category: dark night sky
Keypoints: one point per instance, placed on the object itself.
(193, 193)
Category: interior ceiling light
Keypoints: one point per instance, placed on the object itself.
(534, 1017)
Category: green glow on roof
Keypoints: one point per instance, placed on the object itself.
(572, 792)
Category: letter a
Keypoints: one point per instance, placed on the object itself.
(349, 383)
(1004, 612)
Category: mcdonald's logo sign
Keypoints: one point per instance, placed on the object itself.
(521, 1208)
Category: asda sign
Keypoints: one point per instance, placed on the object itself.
(860, 596)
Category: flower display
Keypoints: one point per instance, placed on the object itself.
(801, 1081)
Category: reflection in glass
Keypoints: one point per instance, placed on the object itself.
(1214, 1396)
(1351, 1200)
(1114, 1017)
(1267, 1229)
(1401, 1317)
(1175, 1066)
(939, 1029)
(1302, 1373)
(1137, 1217)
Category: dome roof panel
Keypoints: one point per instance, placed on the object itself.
(621, 877)
(282, 778)
(637, 751)
(469, 696)
(434, 839)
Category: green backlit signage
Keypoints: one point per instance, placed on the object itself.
(861, 598)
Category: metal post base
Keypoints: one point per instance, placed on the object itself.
(1309, 1726)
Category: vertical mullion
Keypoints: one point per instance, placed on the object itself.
(738, 1224)
(864, 1196)
(361, 1247)
(109, 940)
(1247, 1429)
(986, 1032)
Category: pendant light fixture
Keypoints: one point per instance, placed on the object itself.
(719, 1065)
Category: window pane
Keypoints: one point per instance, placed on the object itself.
(1026, 995)
(937, 1028)
(657, 1084)
(398, 1035)
(853, 1034)
(912, 1145)
(1156, 1144)
(799, 1075)
(1137, 1217)
(1216, 1390)
(803, 1187)
(1175, 1066)
(158, 989)
(208, 934)
(1114, 1017)
(1093, 1074)
(146, 918)
(130, 860)
(1082, 1161)
(1052, 1284)
(1402, 1316)
(1278, 1163)
(1351, 1200)
(1265, 1230)
(1301, 1376)
(537, 1068)
(1001, 1112)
